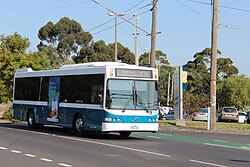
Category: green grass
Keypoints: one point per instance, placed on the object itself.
(203, 125)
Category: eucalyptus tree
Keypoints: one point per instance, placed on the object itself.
(66, 36)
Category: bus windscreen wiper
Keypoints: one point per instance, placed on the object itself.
(127, 104)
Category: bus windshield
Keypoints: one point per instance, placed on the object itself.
(131, 95)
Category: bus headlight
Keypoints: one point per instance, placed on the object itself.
(108, 119)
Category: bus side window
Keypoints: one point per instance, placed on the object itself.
(97, 94)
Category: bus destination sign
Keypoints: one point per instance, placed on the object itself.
(133, 73)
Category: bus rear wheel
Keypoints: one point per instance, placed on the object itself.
(124, 134)
(78, 125)
(31, 120)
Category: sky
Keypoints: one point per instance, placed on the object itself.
(183, 26)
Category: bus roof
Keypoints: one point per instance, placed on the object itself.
(92, 64)
(76, 69)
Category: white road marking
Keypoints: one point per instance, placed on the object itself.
(115, 146)
(30, 155)
(217, 145)
(112, 155)
(65, 165)
(16, 151)
(154, 137)
(220, 141)
(46, 160)
(206, 163)
(3, 148)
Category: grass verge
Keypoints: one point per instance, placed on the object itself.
(203, 125)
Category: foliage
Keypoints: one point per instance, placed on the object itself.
(99, 51)
(226, 68)
(159, 55)
(197, 94)
(234, 91)
(14, 43)
(66, 37)
(7, 115)
(12, 59)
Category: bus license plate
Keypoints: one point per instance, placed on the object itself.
(134, 127)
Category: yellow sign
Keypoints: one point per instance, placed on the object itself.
(184, 76)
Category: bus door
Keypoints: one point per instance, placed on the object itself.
(53, 103)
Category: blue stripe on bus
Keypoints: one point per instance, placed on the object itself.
(93, 117)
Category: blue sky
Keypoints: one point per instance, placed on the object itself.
(185, 25)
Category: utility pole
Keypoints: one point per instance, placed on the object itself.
(153, 33)
(213, 72)
(116, 23)
(136, 41)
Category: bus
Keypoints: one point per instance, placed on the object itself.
(101, 97)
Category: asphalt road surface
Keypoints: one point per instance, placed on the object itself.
(54, 147)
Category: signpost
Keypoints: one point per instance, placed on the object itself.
(180, 83)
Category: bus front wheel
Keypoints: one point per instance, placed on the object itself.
(78, 125)
(124, 134)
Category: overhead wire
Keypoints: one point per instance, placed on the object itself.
(194, 11)
(102, 24)
(221, 6)
(119, 24)
(25, 15)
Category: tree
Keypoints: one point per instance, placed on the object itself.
(234, 91)
(123, 53)
(12, 57)
(226, 68)
(14, 43)
(66, 36)
(159, 55)
(99, 51)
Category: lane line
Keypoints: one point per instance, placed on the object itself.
(16, 151)
(65, 165)
(220, 141)
(218, 145)
(46, 160)
(30, 155)
(3, 148)
(115, 146)
(206, 163)
(155, 137)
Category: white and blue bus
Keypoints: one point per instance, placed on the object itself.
(101, 96)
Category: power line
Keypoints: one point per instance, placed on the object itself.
(25, 15)
(96, 27)
(119, 16)
(120, 23)
(92, 29)
(134, 6)
(194, 11)
(221, 6)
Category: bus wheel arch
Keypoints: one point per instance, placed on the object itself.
(78, 124)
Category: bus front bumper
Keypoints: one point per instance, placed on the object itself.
(132, 127)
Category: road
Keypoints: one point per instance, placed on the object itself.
(54, 147)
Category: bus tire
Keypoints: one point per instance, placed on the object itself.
(32, 122)
(31, 119)
(78, 125)
(124, 134)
